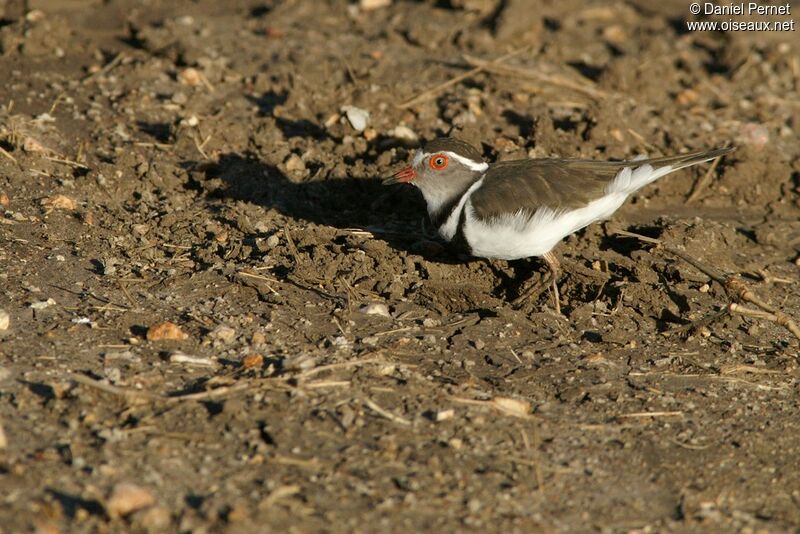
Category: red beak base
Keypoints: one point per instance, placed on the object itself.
(403, 177)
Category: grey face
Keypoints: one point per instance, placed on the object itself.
(441, 176)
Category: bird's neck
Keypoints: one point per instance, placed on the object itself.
(442, 198)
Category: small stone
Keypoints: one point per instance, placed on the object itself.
(153, 519)
(253, 361)
(5, 320)
(369, 5)
(479, 344)
(223, 333)
(295, 164)
(514, 407)
(687, 97)
(4, 200)
(166, 331)
(615, 34)
(190, 76)
(753, 134)
(376, 308)
(258, 338)
(358, 118)
(127, 498)
(403, 133)
(140, 229)
(42, 304)
(370, 341)
(430, 322)
(444, 415)
(273, 241)
(59, 202)
(370, 134)
(179, 98)
(3, 438)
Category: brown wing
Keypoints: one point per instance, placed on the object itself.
(530, 184)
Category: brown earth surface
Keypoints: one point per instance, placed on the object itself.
(327, 365)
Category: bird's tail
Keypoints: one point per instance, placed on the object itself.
(638, 173)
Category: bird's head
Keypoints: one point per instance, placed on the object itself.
(442, 170)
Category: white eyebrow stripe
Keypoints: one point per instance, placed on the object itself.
(472, 165)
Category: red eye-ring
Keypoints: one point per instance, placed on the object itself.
(438, 162)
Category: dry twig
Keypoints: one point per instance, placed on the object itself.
(584, 87)
(734, 287)
(701, 184)
(433, 91)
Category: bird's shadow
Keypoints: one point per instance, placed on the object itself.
(395, 214)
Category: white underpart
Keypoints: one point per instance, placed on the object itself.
(448, 229)
(521, 235)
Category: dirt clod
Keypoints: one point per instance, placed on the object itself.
(127, 498)
(166, 331)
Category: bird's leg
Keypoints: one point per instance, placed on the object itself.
(553, 269)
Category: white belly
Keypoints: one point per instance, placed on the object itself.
(520, 235)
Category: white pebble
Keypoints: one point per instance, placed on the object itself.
(358, 118)
(42, 304)
(404, 133)
(5, 320)
(376, 308)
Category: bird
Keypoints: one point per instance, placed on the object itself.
(523, 208)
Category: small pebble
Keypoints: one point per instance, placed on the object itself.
(5, 320)
(190, 76)
(42, 304)
(59, 202)
(253, 361)
(430, 322)
(4, 200)
(273, 241)
(153, 519)
(294, 164)
(166, 331)
(258, 338)
(753, 134)
(404, 133)
(515, 407)
(376, 308)
(223, 333)
(479, 344)
(358, 118)
(369, 5)
(127, 498)
(444, 415)
(3, 438)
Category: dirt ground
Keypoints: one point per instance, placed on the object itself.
(327, 365)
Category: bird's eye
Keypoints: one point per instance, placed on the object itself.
(438, 162)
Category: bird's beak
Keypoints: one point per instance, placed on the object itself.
(403, 177)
